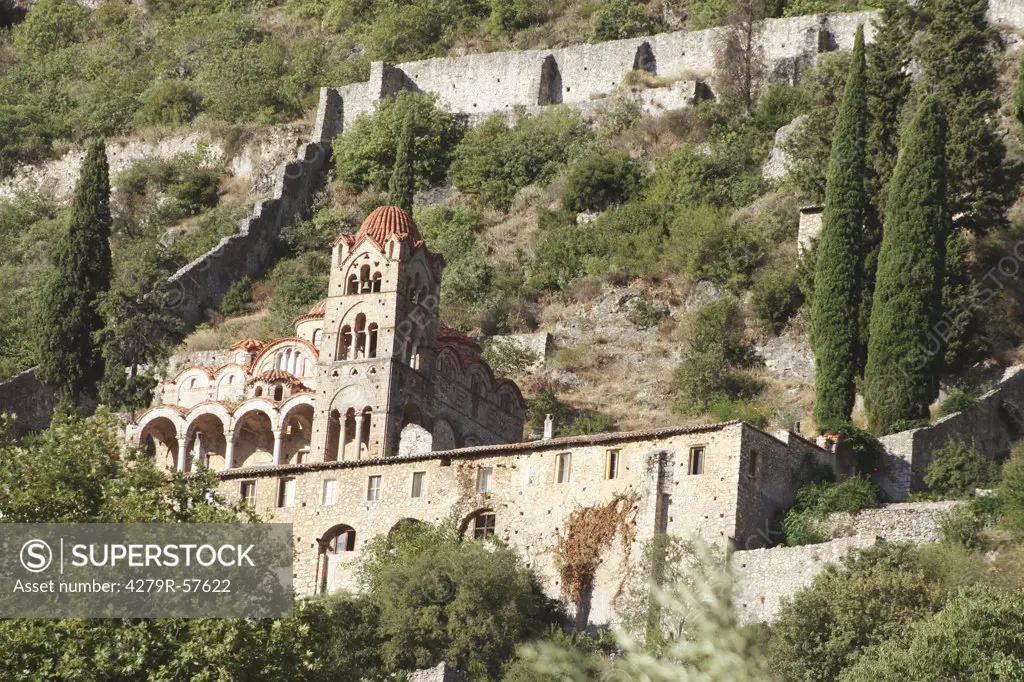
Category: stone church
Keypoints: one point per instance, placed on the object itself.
(375, 415)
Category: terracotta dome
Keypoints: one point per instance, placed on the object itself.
(385, 221)
(317, 312)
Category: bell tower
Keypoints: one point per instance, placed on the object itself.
(379, 336)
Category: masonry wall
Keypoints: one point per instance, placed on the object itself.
(990, 426)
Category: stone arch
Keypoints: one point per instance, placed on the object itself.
(253, 433)
(338, 541)
(510, 399)
(276, 352)
(644, 60)
(448, 364)
(158, 432)
(468, 522)
(230, 383)
(550, 90)
(404, 525)
(296, 431)
(206, 438)
(444, 435)
(411, 414)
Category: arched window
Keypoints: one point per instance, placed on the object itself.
(365, 286)
(258, 392)
(353, 284)
(375, 282)
(345, 351)
(360, 339)
(371, 341)
(192, 382)
(367, 419)
(317, 337)
(278, 393)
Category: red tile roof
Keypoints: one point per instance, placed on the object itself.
(381, 224)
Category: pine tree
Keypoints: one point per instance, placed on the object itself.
(889, 83)
(402, 184)
(957, 60)
(900, 379)
(68, 317)
(835, 329)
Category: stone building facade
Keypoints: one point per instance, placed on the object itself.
(374, 415)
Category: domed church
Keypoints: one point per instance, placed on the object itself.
(370, 373)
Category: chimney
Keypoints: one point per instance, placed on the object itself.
(549, 427)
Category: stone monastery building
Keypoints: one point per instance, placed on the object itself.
(374, 414)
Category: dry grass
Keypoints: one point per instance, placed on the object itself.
(223, 334)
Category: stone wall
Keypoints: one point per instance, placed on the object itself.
(809, 228)
(29, 400)
(540, 344)
(442, 673)
(990, 426)
(767, 577)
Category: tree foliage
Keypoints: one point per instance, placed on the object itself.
(838, 281)
(900, 378)
(68, 314)
(598, 181)
(957, 469)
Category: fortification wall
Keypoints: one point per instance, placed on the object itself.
(989, 426)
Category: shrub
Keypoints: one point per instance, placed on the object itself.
(214, 226)
(957, 469)
(507, 358)
(598, 181)
(293, 296)
(568, 420)
(957, 400)
(744, 410)
(711, 369)
(493, 162)
(51, 25)
(508, 15)
(621, 19)
(872, 598)
(238, 299)
(726, 176)
(961, 526)
(168, 102)
(644, 313)
(815, 501)
(364, 154)
(707, 245)
(775, 298)
(1011, 490)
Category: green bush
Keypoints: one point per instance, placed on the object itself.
(214, 226)
(645, 313)
(957, 469)
(708, 245)
(957, 400)
(365, 153)
(725, 410)
(871, 599)
(493, 162)
(728, 175)
(598, 181)
(509, 15)
(621, 19)
(52, 25)
(238, 299)
(168, 102)
(568, 420)
(293, 296)
(815, 501)
(775, 298)
(1011, 490)
(961, 526)
(713, 367)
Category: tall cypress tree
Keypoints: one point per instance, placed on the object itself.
(68, 316)
(900, 380)
(958, 62)
(889, 83)
(401, 187)
(835, 329)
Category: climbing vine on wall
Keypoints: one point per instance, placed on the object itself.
(588, 533)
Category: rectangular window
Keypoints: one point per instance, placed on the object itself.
(752, 464)
(483, 526)
(247, 492)
(696, 461)
(563, 463)
(419, 479)
(373, 489)
(286, 493)
(611, 464)
(483, 479)
(330, 491)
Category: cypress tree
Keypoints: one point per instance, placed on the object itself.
(835, 329)
(68, 316)
(401, 187)
(889, 83)
(957, 60)
(900, 379)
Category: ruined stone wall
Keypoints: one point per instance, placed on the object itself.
(29, 400)
(441, 673)
(990, 426)
(917, 522)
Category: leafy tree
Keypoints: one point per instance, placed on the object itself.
(900, 379)
(957, 469)
(601, 180)
(621, 19)
(68, 316)
(1011, 490)
(979, 635)
(957, 400)
(838, 282)
(51, 25)
(444, 599)
(712, 367)
(401, 186)
(364, 155)
(494, 161)
(957, 60)
(868, 600)
(740, 62)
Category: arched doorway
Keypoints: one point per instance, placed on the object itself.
(254, 440)
(338, 542)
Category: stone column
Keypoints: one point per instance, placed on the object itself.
(182, 453)
(342, 436)
(360, 421)
(277, 447)
(229, 452)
